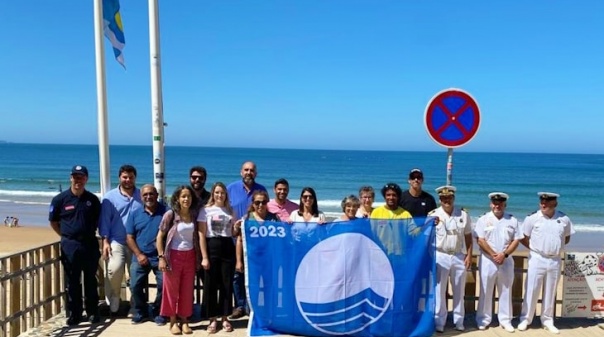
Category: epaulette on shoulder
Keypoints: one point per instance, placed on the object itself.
(483, 214)
(432, 212)
(532, 212)
(562, 213)
(464, 209)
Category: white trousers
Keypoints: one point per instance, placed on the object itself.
(449, 266)
(542, 271)
(114, 272)
(492, 274)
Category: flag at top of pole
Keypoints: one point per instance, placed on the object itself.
(113, 28)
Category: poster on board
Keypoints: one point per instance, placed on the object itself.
(583, 285)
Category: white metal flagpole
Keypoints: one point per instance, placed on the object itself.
(157, 115)
(101, 93)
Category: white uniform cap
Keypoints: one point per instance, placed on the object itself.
(446, 190)
(498, 196)
(547, 195)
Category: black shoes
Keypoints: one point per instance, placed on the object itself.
(74, 320)
(94, 319)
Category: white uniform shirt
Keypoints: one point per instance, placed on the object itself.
(547, 235)
(219, 223)
(451, 230)
(498, 233)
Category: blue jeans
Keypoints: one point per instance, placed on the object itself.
(239, 291)
(138, 283)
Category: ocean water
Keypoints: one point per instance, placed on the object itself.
(31, 174)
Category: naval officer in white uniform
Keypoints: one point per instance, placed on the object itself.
(498, 235)
(453, 256)
(546, 232)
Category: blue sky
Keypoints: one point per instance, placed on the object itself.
(310, 74)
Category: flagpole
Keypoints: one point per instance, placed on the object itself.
(101, 93)
(157, 116)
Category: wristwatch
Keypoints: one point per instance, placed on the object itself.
(160, 256)
(506, 255)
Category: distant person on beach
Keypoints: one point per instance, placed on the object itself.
(350, 206)
(381, 224)
(197, 177)
(116, 206)
(281, 205)
(240, 196)
(498, 235)
(367, 197)
(142, 227)
(179, 251)
(415, 200)
(215, 222)
(74, 215)
(546, 232)
(453, 256)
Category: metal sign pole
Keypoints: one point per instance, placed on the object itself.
(450, 166)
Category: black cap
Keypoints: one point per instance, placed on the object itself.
(79, 169)
(416, 172)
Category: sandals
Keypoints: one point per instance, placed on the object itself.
(186, 329)
(226, 326)
(175, 329)
(211, 329)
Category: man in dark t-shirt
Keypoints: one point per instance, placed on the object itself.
(74, 216)
(415, 200)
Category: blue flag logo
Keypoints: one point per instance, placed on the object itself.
(340, 279)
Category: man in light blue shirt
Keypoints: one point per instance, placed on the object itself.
(240, 197)
(117, 205)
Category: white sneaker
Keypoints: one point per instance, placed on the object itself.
(508, 328)
(482, 327)
(523, 326)
(460, 327)
(551, 328)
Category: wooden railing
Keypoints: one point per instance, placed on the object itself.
(31, 288)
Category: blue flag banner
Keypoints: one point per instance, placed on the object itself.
(366, 277)
(113, 28)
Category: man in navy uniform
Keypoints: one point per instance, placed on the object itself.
(74, 215)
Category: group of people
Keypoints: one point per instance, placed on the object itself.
(11, 221)
(200, 234)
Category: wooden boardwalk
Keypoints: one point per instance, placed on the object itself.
(121, 327)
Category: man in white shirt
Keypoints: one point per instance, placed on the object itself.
(498, 235)
(453, 256)
(546, 232)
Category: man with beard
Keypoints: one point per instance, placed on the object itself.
(453, 257)
(74, 215)
(390, 233)
(280, 205)
(197, 179)
(240, 196)
(142, 227)
(415, 200)
(117, 205)
(498, 235)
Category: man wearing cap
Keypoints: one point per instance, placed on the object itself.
(546, 232)
(453, 256)
(415, 200)
(74, 216)
(498, 235)
(116, 206)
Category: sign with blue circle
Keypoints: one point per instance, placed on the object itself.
(452, 118)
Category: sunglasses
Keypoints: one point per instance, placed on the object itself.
(197, 177)
(260, 202)
(417, 177)
(307, 196)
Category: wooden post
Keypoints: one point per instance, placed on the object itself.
(518, 286)
(15, 293)
(46, 280)
(471, 288)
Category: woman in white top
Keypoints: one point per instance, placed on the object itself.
(350, 207)
(366, 196)
(178, 258)
(308, 215)
(216, 221)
